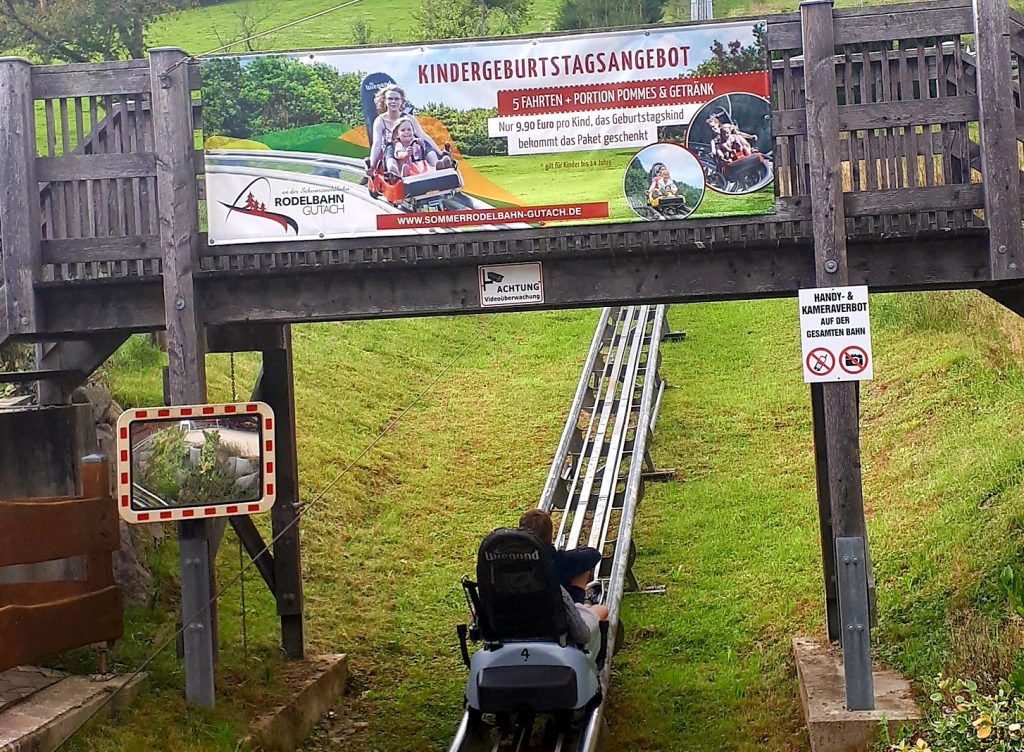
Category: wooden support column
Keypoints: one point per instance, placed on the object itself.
(841, 424)
(186, 357)
(828, 543)
(19, 198)
(998, 139)
(277, 390)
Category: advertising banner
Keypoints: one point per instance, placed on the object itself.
(668, 123)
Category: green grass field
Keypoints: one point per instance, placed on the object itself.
(201, 30)
(707, 665)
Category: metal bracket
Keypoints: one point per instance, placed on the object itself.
(660, 476)
(650, 590)
(854, 616)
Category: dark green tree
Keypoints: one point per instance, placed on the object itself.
(78, 31)
(735, 57)
(468, 129)
(462, 19)
(275, 93)
(599, 14)
(225, 114)
(637, 182)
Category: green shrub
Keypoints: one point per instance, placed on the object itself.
(468, 129)
(963, 718)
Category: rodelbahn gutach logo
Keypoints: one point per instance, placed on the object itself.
(255, 208)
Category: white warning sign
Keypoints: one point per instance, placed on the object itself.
(835, 334)
(511, 284)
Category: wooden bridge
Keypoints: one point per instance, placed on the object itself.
(898, 144)
(926, 149)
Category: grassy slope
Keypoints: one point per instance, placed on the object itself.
(735, 539)
(203, 29)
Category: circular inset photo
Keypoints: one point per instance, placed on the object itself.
(732, 137)
(664, 181)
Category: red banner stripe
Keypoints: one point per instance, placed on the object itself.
(629, 94)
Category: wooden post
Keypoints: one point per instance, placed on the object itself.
(828, 544)
(998, 139)
(277, 390)
(178, 217)
(20, 223)
(842, 430)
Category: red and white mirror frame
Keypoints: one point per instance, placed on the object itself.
(260, 502)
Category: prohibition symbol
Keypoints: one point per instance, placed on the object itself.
(853, 359)
(821, 361)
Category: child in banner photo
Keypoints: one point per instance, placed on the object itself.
(736, 141)
(408, 154)
(661, 182)
(729, 142)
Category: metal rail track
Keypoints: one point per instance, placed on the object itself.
(592, 491)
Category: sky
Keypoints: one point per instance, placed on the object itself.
(683, 167)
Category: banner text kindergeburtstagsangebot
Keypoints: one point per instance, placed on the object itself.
(670, 123)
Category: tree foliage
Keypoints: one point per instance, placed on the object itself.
(598, 14)
(468, 129)
(80, 30)
(16, 356)
(171, 475)
(275, 93)
(462, 19)
(735, 57)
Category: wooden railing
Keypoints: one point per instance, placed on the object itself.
(40, 618)
(98, 171)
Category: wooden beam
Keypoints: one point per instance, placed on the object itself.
(78, 357)
(32, 531)
(92, 79)
(95, 167)
(178, 218)
(345, 292)
(245, 338)
(5, 332)
(998, 139)
(20, 222)
(841, 419)
(277, 389)
(84, 250)
(28, 377)
(1010, 296)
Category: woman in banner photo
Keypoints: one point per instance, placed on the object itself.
(390, 102)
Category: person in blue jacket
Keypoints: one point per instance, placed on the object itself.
(573, 568)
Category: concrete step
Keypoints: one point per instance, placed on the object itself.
(57, 705)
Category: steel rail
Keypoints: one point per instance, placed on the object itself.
(624, 350)
(598, 446)
(602, 382)
(620, 562)
(569, 432)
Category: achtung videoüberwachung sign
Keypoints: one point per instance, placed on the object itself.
(835, 333)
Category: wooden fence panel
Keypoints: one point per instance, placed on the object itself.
(34, 631)
(97, 171)
(40, 530)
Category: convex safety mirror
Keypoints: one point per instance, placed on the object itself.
(195, 461)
